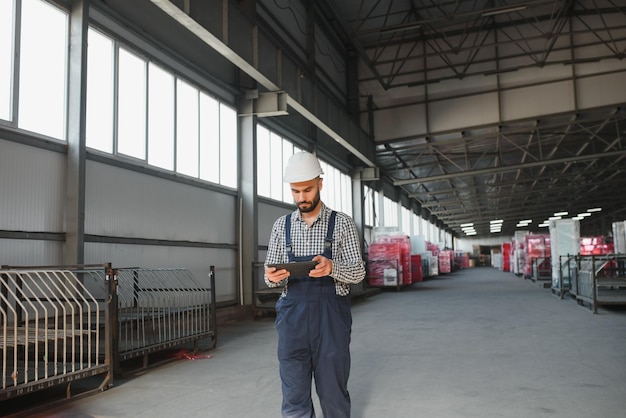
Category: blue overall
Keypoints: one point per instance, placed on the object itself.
(314, 326)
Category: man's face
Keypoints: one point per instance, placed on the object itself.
(306, 194)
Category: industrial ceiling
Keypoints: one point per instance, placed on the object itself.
(421, 57)
(480, 110)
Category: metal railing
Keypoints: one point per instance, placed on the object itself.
(53, 329)
(161, 308)
(63, 323)
(601, 280)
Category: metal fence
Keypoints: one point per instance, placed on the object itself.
(60, 324)
(53, 329)
(601, 280)
(161, 308)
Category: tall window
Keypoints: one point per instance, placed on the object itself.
(228, 147)
(209, 137)
(161, 131)
(131, 104)
(273, 151)
(42, 67)
(390, 212)
(406, 221)
(6, 59)
(187, 128)
(371, 210)
(415, 230)
(99, 133)
(337, 190)
(158, 117)
(424, 229)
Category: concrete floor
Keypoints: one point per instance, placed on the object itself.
(474, 343)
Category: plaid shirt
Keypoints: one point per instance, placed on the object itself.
(348, 265)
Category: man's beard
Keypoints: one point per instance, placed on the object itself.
(311, 205)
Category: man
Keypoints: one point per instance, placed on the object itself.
(313, 316)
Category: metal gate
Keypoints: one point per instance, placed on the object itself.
(64, 323)
(54, 330)
(160, 308)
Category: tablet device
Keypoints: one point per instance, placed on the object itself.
(296, 268)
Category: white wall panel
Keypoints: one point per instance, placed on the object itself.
(537, 101)
(403, 122)
(197, 260)
(460, 87)
(458, 113)
(601, 90)
(128, 204)
(467, 245)
(32, 185)
(535, 75)
(28, 252)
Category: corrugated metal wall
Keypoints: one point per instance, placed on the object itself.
(132, 219)
(32, 188)
(128, 204)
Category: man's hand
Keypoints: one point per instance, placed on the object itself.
(274, 275)
(323, 268)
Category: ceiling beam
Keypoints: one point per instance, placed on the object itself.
(509, 168)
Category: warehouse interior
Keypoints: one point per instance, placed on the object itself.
(480, 143)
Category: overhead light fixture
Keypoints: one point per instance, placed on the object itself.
(494, 12)
(581, 61)
(467, 224)
(584, 214)
(560, 213)
(496, 221)
(555, 218)
(397, 28)
(501, 71)
(578, 218)
(594, 210)
(544, 225)
(423, 83)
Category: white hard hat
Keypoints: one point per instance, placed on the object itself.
(302, 166)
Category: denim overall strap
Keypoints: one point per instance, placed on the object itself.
(328, 241)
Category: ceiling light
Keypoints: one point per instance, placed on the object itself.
(397, 28)
(544, 225)
(468, 224)
(560, 213)
(494, 12)
(470, 233)
(555, 218)
(526, 221)
(594, 210)
(581, 61)
(496, 221)
(584, 214)
(578, 218)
